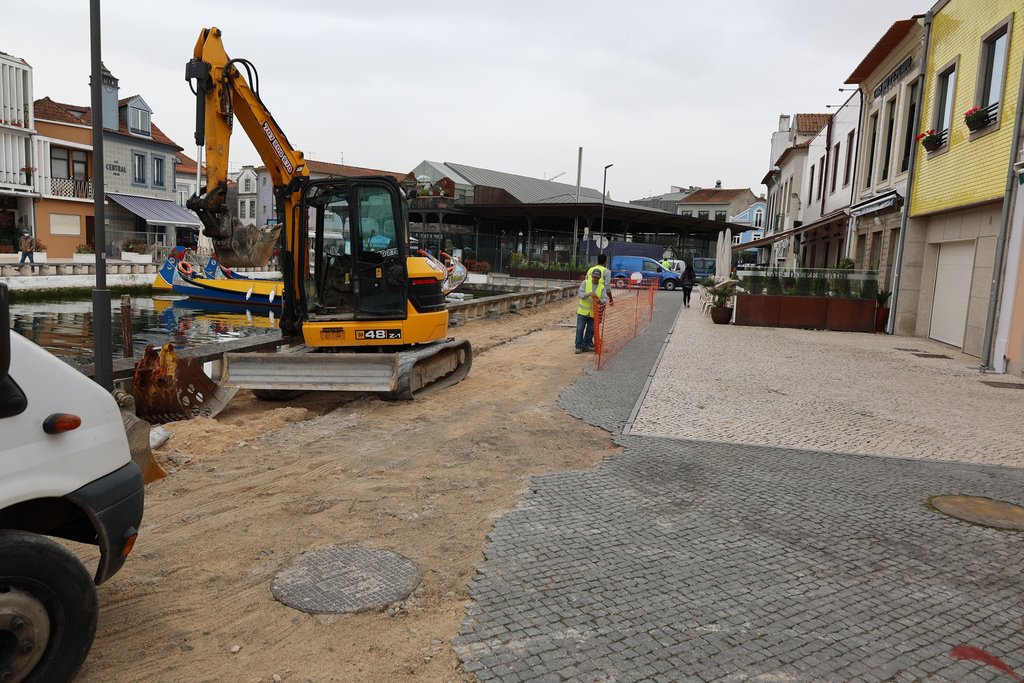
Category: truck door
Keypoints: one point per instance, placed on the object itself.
(378, 247)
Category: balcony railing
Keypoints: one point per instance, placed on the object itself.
(70, 187)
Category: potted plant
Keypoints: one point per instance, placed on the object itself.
(882, 310)
(931, 140)
(39, 252)
(721, 292)
(135, 251)
(84, 253)
(976, 118)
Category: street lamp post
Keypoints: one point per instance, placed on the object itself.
(604, 190)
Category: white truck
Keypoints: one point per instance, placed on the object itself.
(65, 471)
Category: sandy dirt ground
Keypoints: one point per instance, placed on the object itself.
(250, 491)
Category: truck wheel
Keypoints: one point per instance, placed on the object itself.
(620, 283)
(48, 609)
(670, 285)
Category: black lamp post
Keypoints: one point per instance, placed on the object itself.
(604, 186)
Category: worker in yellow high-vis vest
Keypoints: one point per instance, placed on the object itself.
(592, 293)
(606, 275)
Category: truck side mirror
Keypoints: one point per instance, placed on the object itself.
(5, 333)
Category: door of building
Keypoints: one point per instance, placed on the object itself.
(952, 292)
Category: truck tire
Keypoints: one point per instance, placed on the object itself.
(48, 609)
(670, 285)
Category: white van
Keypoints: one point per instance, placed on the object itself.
(65, 471)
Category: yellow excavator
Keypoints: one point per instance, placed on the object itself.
(360, 312)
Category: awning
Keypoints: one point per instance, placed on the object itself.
(152, 210)
(775, 237)
(891, 198)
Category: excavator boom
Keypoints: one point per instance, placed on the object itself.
(222, 94)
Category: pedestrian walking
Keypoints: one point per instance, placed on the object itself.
(688, 280)
(606, 274)
(25, 245)
(592, 294)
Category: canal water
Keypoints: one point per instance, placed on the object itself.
(65, 328)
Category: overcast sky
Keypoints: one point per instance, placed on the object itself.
(673, 92)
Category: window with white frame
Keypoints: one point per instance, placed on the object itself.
(720, 215)
(908, 126)
(702, 215)
(849, 158)
(247, 185)
(758, 218)
(873, 142)
(138, 121)
(138, 168)
(945, 88)
(992, 68)
(158, 172)
(890, 131)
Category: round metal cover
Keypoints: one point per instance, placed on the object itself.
(984, 511)
(340, 579)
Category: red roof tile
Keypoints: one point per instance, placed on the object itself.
(326, 168)
(810, 124)
(712, 196)
(885, 45)
(186, 164)
(48, 110)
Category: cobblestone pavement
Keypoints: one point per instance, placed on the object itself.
(839, 392)
(706, 560)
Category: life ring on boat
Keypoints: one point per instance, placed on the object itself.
(186, 269)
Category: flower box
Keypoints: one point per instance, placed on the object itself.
(87, 259)
(132, 257)
(850, 315)
(976, 118)
(803, 312)
(931, 140)
(758, 310)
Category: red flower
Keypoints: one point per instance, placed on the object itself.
(973, 110)
(925, 134)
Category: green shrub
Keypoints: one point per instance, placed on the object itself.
(803, 285)
(869, 289)
(819, 284)
(754, 284)
(772, 282)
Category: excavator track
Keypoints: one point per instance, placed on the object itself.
(398, 375)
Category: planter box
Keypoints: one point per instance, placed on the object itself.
(758, 310)
(851, 315)
(87, 259)
(881, 318)
(803, 312)
(132, 257)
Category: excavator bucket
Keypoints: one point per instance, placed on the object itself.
(168, 388)
(138, 445)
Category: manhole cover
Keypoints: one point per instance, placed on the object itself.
(979, 510)
(342, 578)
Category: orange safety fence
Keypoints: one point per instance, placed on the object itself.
(618, 324)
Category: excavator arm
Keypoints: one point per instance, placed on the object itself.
(222, 95)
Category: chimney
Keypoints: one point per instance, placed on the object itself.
(718, 184)
(784, 124)
(109, 97)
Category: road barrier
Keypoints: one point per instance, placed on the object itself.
(616, 325)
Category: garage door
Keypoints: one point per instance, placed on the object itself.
(952, 292)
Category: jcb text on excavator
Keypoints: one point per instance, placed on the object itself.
(372, 318)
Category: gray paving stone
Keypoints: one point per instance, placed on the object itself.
(728, 557)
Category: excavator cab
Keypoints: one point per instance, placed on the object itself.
(359, 250)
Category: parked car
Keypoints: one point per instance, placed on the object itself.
(704, 267)
(623, 267)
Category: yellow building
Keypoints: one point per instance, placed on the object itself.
(958, 221)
